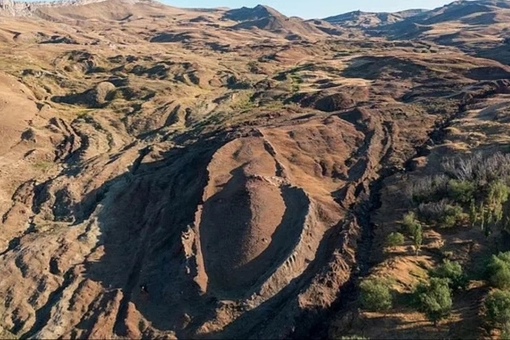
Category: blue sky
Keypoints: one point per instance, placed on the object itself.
(315, 8)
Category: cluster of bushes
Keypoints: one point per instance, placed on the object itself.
(434, 298)
(497, 304)
(472, 191)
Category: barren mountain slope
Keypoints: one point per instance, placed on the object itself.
(193, 174)
(477, 27)
(359, 19)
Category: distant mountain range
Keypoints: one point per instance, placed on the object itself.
(460, 23)
(371, 19)
(267, 18)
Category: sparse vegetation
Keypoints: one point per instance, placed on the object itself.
(83, 114)
(253, 67)
(472, 191)
(43, 166)
(243, 102)
(297, 80)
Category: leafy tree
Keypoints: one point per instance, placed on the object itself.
(453, 272)
(435, 299)
(473, 213)
(418, 238)
(395, 240)
(482, 219)
(498, 270)
(376, 295)
(493, 206)
(497, 306)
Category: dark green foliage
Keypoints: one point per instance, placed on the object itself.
(453, 272)
(473, 213)
(498, 270)
(418, 237)
(497, 197)
(497, 306)
(498, 193)
(443, 214)
(505, 331)
(435, 299)
(461, 191)
(395, 240)
(453, 216)
(376, 295)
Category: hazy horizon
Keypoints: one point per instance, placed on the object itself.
(314, 9)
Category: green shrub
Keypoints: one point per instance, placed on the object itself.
(498, 270)
(497, 306)
(410, 223)
(376, 295)
(473, 213)
(453, 215)
(418, 238)
(395, 240)
(491, 213)
(505, 331)
(435, 299)
(498, 193)
(453, 272)
(461, 191)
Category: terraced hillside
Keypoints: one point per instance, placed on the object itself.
(228, 173)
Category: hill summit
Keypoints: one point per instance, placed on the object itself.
(256, 13)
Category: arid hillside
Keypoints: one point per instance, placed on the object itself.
(236, 173)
